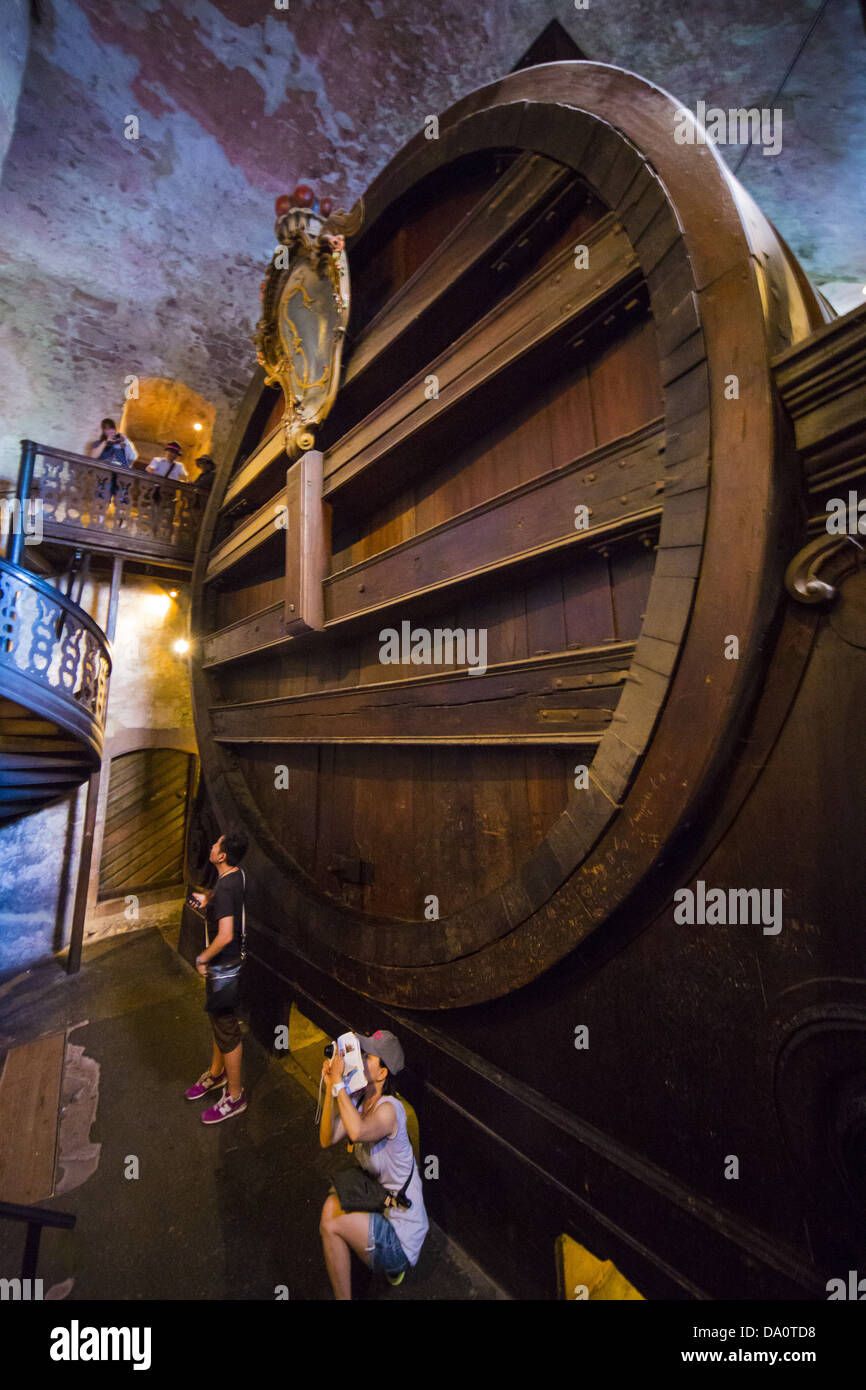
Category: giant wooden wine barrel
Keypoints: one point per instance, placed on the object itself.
(555, 306)
(590, 408)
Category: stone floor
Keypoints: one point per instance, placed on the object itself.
(223, 1212)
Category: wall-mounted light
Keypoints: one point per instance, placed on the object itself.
(196, 426)
(157, 604)
(181, 646)
(172, 593)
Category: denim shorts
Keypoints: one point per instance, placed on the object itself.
(383, 1246)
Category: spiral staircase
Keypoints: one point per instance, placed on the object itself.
(55, 661)
(54, 668)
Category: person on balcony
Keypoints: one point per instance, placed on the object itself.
(169, 465)
(111, 447)
(207, 472)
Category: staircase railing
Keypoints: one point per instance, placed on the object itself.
(54, 659)
(106, 507)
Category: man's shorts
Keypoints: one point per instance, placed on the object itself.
(226, 1030)
(383, 1246)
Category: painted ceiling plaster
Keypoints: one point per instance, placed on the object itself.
(143, 257)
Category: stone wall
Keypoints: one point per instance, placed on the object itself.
(143, 256)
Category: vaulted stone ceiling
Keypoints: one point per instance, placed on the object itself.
(143, 257)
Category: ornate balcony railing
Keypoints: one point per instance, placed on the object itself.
(54, 660)
(106, 507)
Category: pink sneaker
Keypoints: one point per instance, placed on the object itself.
(224, 1109)
(205, 1083)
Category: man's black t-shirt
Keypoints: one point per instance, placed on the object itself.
(227, 901)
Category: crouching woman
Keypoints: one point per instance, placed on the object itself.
(374, 1122)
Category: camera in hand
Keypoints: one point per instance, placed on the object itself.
(353, 1069)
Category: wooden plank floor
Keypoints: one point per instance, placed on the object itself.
(29, 1106)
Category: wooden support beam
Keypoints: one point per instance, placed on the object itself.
(568, 698)
(308, 545)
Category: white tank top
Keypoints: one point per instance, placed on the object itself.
(391, 1161)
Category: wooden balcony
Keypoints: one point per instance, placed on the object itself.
(107, 509)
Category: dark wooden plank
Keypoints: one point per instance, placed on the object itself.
(254, 634)
(572, 431)
(551, 298)
(616, 181)
(657, 238)
(588, 602)
(249, 536)
(527, 182)
(245, 600)
(632, 568)
(637, 214)
(686, 355)
(624, 383)
(537, 517)
(566, 692)
(601, 153)
(271, 448)
(639, 707)
(491, 772)
(545, 615)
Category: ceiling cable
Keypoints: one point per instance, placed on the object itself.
(778, 92)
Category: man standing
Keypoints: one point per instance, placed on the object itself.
(224, 913)
(169, 466)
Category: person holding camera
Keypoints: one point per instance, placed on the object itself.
(224, 914)
(374, 1122)
(111, 447)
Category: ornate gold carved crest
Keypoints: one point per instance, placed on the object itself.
(305, 310)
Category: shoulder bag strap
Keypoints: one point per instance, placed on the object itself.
(243, 914)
